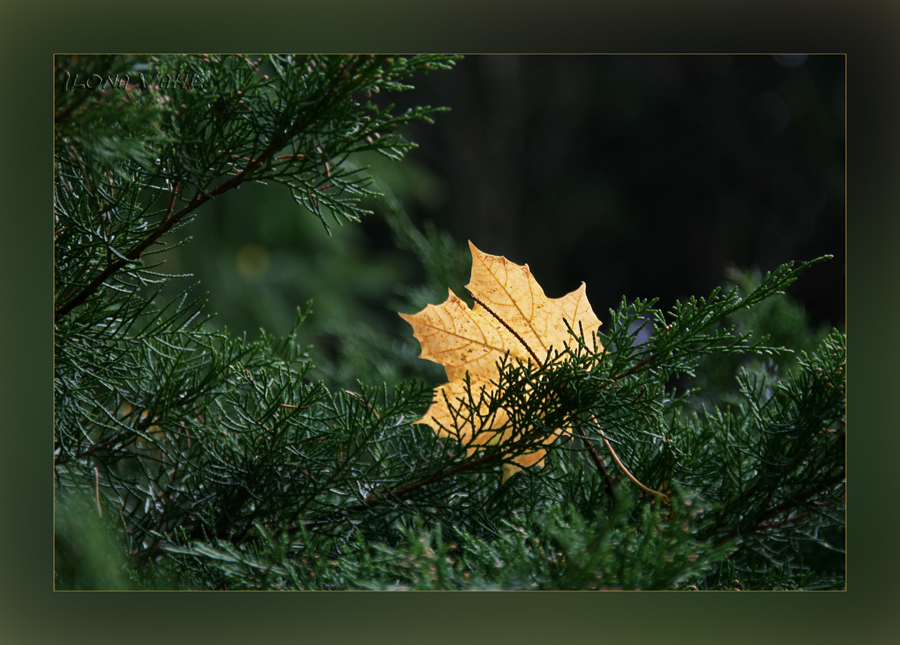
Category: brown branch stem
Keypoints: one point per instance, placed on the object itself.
(758, 523)
(380, 497)
(164, 227)
(99, 446)
(200, 198)
(373, 499)
(610, 483)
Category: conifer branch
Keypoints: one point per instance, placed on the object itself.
(169, 222)
(248, 464)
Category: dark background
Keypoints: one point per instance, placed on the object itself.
(643, 175)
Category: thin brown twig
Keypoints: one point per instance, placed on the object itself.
(789, 520)
(662, 496)
(175, 190)
(360, 398)
(97, 491)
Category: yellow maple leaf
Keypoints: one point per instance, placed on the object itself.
(511, 318)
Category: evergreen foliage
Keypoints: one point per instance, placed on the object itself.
(189, 458)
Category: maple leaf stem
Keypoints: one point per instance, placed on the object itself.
(628, 474)
(510, 329)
